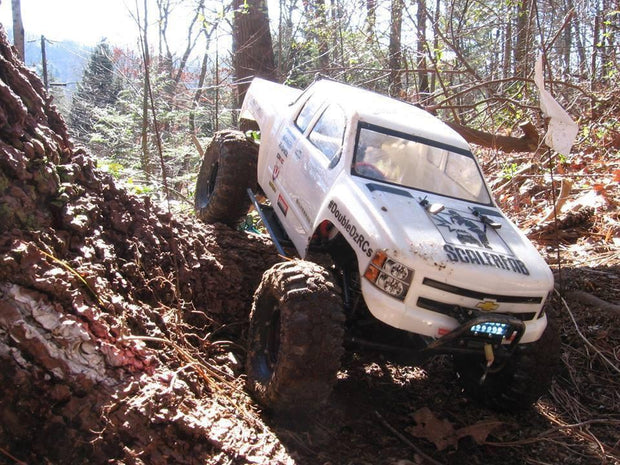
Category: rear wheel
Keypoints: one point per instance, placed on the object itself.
(295, 337)
(517, 382)
(228, 169)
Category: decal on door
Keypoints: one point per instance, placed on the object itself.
(358, 238)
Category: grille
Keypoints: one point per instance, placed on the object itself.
(507, 299)
(454, 311)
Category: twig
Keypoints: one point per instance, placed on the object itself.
(559, 428)
(585, 433)
(17, 461)
(400, 436)
(71, 270)
(585, 340)
(205, 372)
(199, 148)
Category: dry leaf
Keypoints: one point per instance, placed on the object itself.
(443, 434)
(428, 426)
(480, 431)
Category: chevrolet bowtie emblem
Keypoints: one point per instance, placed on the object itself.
(487, 305)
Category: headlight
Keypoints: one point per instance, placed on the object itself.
(389, 275)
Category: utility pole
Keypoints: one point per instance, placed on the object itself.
(44, 63)
(46, 82)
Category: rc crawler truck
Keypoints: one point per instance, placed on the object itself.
(421, 259)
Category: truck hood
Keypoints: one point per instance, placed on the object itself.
(466, 244)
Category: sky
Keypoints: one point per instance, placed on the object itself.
(84, 21)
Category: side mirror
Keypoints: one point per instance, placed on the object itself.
(435, 208)
(432, 208)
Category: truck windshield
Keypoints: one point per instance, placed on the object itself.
(418, 163)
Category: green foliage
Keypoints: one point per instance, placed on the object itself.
(97, 90)
(253, 224)
(115, 169)
(471, 81)
(509, 170)
(111, 125)
(139, 188)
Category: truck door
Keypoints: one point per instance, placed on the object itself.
(312, 166)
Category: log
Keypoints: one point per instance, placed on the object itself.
(592, 301)
(528, 142)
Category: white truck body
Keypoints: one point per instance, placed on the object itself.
(467, 255)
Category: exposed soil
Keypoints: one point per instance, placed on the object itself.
(123, 326)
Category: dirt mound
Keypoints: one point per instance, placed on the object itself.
(108, 305)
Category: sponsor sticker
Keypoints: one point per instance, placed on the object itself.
(350, 228)
(282, 204)
(303, 211)
(286, 143)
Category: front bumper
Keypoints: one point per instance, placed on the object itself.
(436, 311)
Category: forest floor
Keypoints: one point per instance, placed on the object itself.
(122, 325)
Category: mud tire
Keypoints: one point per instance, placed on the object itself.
(295, 338)
(227, 170)
(520, 382)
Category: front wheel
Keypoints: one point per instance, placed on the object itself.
(228, 169)
(295, 337)
(518, 381)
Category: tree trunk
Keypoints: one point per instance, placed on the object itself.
(191, 42)
(18, 29)
(424, 88)
(321, 33)
(581, 50)
(609, 25)
(395, 53)
(198, 93)
(435, 77)
(508, 52)
(595, 49)
(567, 44)
(523, 45)
(252, 46)
(371, 19)
(144, 137)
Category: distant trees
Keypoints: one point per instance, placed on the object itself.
(97, 90)
(469, 62)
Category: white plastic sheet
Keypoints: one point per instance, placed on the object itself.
(562, 129)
